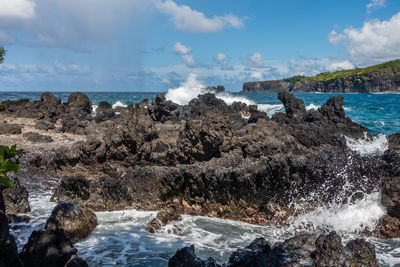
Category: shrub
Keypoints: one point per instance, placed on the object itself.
(8, 163)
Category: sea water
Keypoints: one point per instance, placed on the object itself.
(120, 238)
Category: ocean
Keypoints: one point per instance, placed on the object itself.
(121, 239)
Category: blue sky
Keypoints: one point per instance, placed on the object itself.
(154, 45)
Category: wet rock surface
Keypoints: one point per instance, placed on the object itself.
(74, 219)
(8, 248)
(48, 248)
(16, 199)
(302, 250)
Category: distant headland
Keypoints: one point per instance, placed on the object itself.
(374, 79)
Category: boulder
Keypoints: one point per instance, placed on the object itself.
(390, 192)
(186, 257)
(163, 217)
(37, 137)
(48, 248)
(8, 247)
(79, 104)
(72, 188)
(74, 219)
(294, 106)
(331, 252)
(301, 250)
(387, 227)
(16, 199)
(44, 125)
(163, 110)
(333, 109)
(394, 141)
(9, 128)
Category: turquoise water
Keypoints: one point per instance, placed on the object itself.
(378, 112)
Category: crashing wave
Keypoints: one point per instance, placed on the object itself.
(366, 146)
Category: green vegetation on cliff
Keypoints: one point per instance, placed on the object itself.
(386, 67)
(377, 78)
(2, 54)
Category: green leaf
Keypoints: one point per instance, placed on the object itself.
(5, 181)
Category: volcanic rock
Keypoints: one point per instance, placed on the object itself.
(7, 128)
(37, 137)
(294, 106)
(16, 199)
(47, 248)
(186, 257)
(74, 219)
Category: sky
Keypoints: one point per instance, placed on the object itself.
(154, 45)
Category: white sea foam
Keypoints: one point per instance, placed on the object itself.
(312, 106)
(230, 99)
(192, 87)
(270, 109)
(94, 108)
(120, 238)
(376, 145)
(347, 218)
(119, 104)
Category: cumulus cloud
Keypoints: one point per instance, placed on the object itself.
(186, 19)
(342, 65)
(255, 60)
(376, 41)
(180, 49)
(23, 9)
(68, 23)
(223, 62)
(184, 53)
(375, 4)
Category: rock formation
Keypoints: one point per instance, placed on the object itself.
(378, 78)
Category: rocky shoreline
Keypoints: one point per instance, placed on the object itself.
(204, 158)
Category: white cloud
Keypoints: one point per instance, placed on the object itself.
(186, 19)
(71, 23)
(180, 49)
(257, 75)
(376, 41)
(221, 59)
(343, 65)
(335, 38)
(255, 60)
(183, 51)
(375, 4)
(189, 60)
(23, 9)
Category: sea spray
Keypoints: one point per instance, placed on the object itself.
(192, 87)
(376, 145)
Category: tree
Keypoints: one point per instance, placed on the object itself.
(8, 163)
(2, 54)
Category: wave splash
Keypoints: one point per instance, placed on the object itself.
(192, 87)
(377, 145)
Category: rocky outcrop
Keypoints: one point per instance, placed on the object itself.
(390, 192)
(8, 128)
(304, 250)
(163, 217)
(50, 248)
(8, 248)
(394, 141)
(74, 219)
(16, 199)
(186, 257)
(37, 137)
(294, 106)
(378, 78)
(206, 155)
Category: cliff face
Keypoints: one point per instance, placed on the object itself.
(378, 78)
